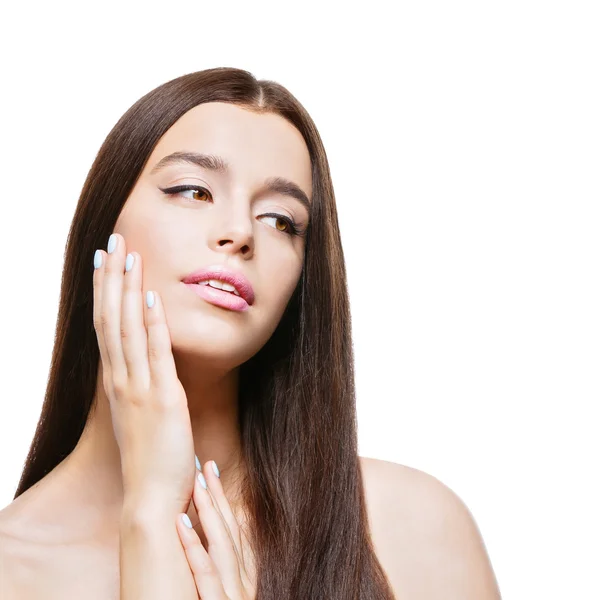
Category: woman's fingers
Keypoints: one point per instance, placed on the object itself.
(110, 308)
(212, 477)
(220, 545)
(134, 338)
(223, 553)
(98, 280)
(207, 577)
(163, 372)
(233, 526)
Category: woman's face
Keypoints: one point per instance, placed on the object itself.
(222, 224)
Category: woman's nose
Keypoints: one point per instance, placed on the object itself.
(235, 237)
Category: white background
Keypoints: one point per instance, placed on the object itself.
(464, 144)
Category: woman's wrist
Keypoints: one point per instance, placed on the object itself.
(144, 510)
(153, 563)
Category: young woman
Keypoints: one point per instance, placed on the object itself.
(202, 375)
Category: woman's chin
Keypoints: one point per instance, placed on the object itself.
(218, 347)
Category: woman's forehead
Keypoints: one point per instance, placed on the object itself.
(243, 143)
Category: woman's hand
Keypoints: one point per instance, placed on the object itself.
(226, 570)
(148, 404)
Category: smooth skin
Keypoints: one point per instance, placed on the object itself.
(153, 430)
(63, 537)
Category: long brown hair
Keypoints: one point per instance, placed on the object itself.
(297, 411)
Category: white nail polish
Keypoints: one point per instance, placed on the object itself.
(215, 469)
(186, 521)
(149, 299)
(97, 259)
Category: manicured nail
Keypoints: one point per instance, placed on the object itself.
(149, 299)
(97, 259)
(202, 480)
(129, 262)
(215, 469)
(198, 466)
(112, 243)
(186, 520)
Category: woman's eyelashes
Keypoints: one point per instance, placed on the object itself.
(176, 191)
(199, 194)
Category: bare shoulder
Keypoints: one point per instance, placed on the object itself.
(424, 535)
(36, 563)
(10, 557)
(20, 564)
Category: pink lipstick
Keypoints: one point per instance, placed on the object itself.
(222, 287)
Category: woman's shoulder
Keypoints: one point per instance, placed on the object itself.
(387, 475)
(15, 553)
(424, 534)
(403, 492)
(395, 494)
(36, 563)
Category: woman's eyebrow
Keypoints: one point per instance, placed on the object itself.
(278, 185)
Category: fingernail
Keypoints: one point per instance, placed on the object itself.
(149, 299)
(186, 520)
(215, 469)
(202, 480)
(97, 259)
(112, 243)
(129, 262)
(198, 466)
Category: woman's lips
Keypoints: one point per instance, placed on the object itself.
(219, 297)
(222, 273)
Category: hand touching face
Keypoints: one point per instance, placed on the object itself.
(148, 404)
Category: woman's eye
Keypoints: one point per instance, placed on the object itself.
(281, 224)
(198, 193)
